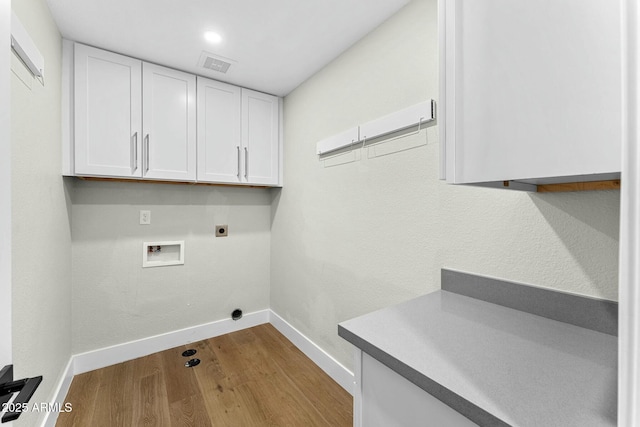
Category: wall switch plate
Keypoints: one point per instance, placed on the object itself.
(222, 230)
(145, 217)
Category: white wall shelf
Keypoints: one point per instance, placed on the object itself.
(416, 115)
(341, 140)
(25, 47)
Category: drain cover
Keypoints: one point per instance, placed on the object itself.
(191, 363)
(189, 353)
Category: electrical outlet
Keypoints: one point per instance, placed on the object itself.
(222, 230)
(145, 217)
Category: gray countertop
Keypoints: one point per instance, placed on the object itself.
(494, 364)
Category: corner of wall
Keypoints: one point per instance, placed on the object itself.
(41, 241)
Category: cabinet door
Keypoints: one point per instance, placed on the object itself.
(532, 88)
(219, 125)
(107, 117)
(391, 400)
(260, 138)
(169, 124)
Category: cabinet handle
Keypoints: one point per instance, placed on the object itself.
(134, 154)
(238, 148)
(147, 154)
(246, 163)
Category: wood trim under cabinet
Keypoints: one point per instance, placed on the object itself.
(146, 181)
(613, 184)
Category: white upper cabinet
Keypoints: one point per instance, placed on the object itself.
(169, 124)
(238, 135)
(219, 128)
(107, 113)
(260, 137)
(530, 90)
(125, 118)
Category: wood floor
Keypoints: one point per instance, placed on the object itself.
(254, 377)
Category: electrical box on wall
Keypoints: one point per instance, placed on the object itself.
(160, 254)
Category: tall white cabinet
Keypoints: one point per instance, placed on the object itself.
(531, 91)
(238, 135)
(107, 113)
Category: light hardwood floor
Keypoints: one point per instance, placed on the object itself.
(254, 377)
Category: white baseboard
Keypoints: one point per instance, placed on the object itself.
(101, 358)
(324, 360)
(108, 356)
(61, 390)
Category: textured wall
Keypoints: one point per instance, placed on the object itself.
(5, 186)
(115, 300)
(41, 244)
(373, 227)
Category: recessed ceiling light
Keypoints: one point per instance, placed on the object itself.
(212, 37)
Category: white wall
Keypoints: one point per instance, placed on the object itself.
(366, 230)
(115, 300)
(5, 187)
(41, 242)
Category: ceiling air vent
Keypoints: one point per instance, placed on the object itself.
(215, 63)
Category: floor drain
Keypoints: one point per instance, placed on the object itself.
(191, 363)
(189, 353)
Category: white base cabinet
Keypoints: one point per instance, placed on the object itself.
(530, 90)
(383, 398)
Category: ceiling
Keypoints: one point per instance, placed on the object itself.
(273, 45)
